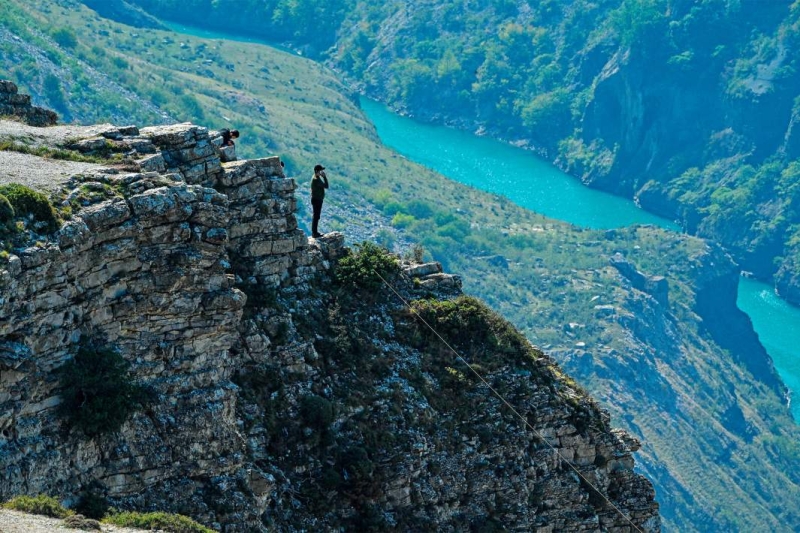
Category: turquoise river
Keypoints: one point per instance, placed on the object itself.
(533, 183)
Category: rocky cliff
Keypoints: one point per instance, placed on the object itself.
(279, 397)
(19, 105)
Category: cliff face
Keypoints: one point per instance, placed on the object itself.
(19, 105)
(278, 399)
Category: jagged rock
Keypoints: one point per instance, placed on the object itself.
(196, 272)
(19, 105)
(655, 286)
(423, 270)
(227, 154)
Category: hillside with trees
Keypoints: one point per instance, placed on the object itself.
(711, 417)
(690, 107)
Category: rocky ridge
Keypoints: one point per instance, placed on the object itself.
(19, 105)
(196, 273)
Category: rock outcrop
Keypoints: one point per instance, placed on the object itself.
(278, 400)
(19, 105)
(655, 286)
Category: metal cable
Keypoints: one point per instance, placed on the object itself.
(500, 396)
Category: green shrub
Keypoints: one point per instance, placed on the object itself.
(65, 37)
(41, 504)
(92, 503)
(98, 392)
(316, 412)
(358, 465)
(26, 201)
(174, 523)
(473, 329)
(365, 268)
(6, 210)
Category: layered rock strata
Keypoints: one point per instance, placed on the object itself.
(196, 273)
(19, 105)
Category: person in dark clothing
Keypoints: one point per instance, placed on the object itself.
(228, 136)
(318, 185)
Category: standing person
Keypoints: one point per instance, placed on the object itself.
(318, 185)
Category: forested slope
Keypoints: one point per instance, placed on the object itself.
(711, 419)
(690, 106)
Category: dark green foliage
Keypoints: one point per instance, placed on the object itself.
(370, 518)
(316, 412)
(65, 37)
(358, 465)
(27, 202)
(98, 392)
(473, 329)
(486, 525)
(41, 505)
(365, 268)
(6, 210)
(217, 499)
(92, 503)
(173, 523)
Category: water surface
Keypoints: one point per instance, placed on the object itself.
(515, 173)
(535, 184)
(778, 326)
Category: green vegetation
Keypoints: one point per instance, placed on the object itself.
(473, 330)
(48, 506)
(666, 389)
(555, 79)
(316, 412)
(56, 153)
(65, 37)
(97, 391)
(173, 523)
(27, 202)
(6, 210)
(367, 267)
(92, 504)
(41, 504)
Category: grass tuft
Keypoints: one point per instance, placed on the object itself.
(173, 523)
(56, 153)
(41, 505)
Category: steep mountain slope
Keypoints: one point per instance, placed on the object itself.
(273, 395)
(556, 283)
(691, 107)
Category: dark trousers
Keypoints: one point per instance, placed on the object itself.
(317, 204)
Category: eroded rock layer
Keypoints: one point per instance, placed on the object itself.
(19, 105)
(281, 399)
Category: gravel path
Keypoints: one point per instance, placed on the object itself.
(38, 173)
(45, 175)
(49, 136)
(15, 522)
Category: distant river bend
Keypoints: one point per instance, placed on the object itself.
(537, 185)
(533, 183)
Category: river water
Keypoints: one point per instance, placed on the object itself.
(535, 184)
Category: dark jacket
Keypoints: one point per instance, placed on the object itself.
(318, 186)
